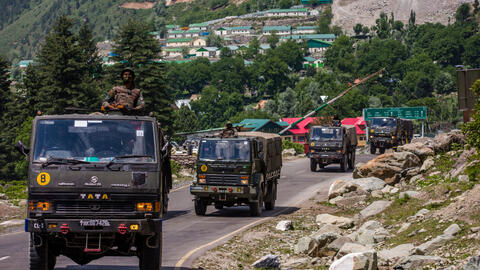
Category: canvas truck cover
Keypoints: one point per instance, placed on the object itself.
(351, 132)
(272, 148)
(407, 125)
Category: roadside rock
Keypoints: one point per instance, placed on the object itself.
(324, 239)
(348, 248)
(416, 262)
(306, 245)
(427, 164)
(372, 232)
(340, 187)
(390, 166)
(420, 215)
(289, 152)
(375, 208)
(326, 228)
(268, 261)
(472, 264)
(396, 252)
(284, 225)
(452, 230)
(356, 171)
(369, 184)
(428, 247)
(356, 261)
(417, 148)
(332, 248)
(463, 178)
(342, 222)
(462, 162)
(3, 196)
(443, 142)
(410, 194)
(404, 227)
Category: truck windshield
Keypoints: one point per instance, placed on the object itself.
(229, 150)
(384, 122)
(326, 133)
(94, 140)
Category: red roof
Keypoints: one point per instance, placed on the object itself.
(302, 127)
(358, 122)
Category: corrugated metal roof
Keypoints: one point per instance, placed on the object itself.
(278, 10)
(254, 124)
(306, 27)
(241, 28)
(277, 28)
(178, 40)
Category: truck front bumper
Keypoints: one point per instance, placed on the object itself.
(385, 142)
(223, 193)
(325, 158)
(94, 225)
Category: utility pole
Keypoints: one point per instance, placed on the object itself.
(333, 100)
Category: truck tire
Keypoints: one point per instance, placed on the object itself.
(373, 150)
(382, 150)
(351, 160)
(256, 207)
(150, 258)
(344, 163)
(200, 207)
(41, 258)
(313, 165)
(218, 206)
(165, 204)
(270, 205)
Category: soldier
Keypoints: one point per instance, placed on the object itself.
(125, 97)
(228, 131)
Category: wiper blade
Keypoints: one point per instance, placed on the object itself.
(110, 163)
(60, 161)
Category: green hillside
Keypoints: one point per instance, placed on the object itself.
(23, 24)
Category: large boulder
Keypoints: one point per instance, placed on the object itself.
(306, 245)
(369, 184)
(462, 162)
(416, 262)
(372, 232)
(419, 149)
(267, 262)
(396, 252)
(443, 142)
(340, 187)
(356, 261)
(348, 248)
(427, 164)
(389, 167)
(472, 264)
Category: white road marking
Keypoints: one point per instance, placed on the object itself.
(4, 258)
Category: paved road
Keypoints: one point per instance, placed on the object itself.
(186, 236)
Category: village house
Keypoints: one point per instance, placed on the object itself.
(280, 30)
(318, 46)
(198, 26)
(172, 52)
(304, 30)
(192, 33)
(199, 42)
(179, 42)
(242, 30)
(222, 31)
(175, 34)
(293, 12)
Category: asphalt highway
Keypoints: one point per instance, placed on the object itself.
(187, 236)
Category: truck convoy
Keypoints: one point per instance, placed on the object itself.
(97, 186)
(239, 170)
(332, 144)
(389, 132)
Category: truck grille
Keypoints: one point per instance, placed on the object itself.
(94, 207)
(223, 179)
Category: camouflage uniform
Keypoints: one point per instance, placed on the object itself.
(128, 98)
(228, 131)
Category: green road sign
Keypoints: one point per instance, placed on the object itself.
(403, 112)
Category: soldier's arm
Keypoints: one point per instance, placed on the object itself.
(109, 98)
(139, 103)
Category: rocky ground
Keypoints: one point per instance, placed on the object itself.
(412, 209)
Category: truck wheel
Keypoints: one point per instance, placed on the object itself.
(313, 165)
(218, 206)
(256, 207)
(200, 207)
(150, 258)
(382, 150)
(270, 205)
(373, 150)
(41, 258)
(165, 203)
(344, 163)
(351, 161)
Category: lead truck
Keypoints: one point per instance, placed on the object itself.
(97, 186)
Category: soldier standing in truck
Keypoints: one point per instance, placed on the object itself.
(126, 96)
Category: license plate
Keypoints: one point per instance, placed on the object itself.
(95, 222)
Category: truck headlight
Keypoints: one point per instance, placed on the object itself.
(372, 131)
(244, 179)
(144, 206)
(39, 206)
(202, 179)
(312, 144)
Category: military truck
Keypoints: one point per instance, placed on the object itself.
(240, 170)
(97, 186)
(389, 132)
(332, 144)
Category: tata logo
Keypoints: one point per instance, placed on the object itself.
(93, 182)
(93, 196)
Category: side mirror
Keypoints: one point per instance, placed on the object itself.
(22, 148)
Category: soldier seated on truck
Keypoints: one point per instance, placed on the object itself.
(125, 97)
(228, 131)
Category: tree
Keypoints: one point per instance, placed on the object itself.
(214, 40)
(273, 39)
(253, 48)
(291, 53)
(136, 48)
(472, 129)
(324, 21)
(185, 120)
(284, 4)
(4, 84)
(382, 26)
(358, 29)
(471, 56)
(476, 7)
(462, 16)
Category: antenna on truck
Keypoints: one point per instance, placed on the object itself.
(333, 100)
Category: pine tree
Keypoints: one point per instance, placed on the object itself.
(136, 48)
(4, 84)
(5, 158)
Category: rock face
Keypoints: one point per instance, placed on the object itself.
(342, 222)
(389, 167)
(472, 264)
(427, 164)
(416, 262)
(356, 261)
(268, 262)
(340, 187)
(375, 208)
(348, 248)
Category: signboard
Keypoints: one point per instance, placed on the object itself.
(465, 80)
(403, 112)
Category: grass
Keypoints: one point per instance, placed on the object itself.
(14, 190)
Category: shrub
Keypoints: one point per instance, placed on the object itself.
(472, 129)
(288, 144)
(175, 167)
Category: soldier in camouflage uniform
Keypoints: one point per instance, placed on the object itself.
(125, 97)
(229, 131)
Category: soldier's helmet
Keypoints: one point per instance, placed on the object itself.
(130, 70)
(229, 124)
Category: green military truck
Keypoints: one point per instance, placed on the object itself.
(389, 132)
(240, 170)
(331, 144)
(97, 186)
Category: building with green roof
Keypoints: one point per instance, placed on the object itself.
(293, 12)
(316, 2)
(260, 125)
(280, 30)
(198, 26)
